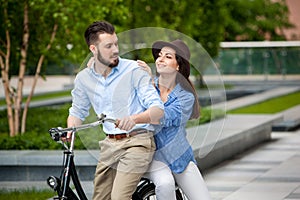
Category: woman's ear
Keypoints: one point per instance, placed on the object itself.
(177, 68)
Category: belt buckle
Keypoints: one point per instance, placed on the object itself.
(120, 136)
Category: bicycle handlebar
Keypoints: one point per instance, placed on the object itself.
(58, 132)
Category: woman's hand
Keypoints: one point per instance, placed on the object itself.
(145, 67)
(90, 62)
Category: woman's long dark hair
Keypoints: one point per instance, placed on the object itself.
(183, 78)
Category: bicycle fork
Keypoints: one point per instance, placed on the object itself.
(61, 186)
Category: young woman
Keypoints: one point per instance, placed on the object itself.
(174, 160)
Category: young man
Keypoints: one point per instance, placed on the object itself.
(120, 89)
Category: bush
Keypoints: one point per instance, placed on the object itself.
(30, 140)
(40, 120)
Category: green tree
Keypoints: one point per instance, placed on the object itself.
(201, 19)
(37, 31)
(256, 20)
(211, 30)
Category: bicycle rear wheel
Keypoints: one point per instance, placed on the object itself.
(147, 192)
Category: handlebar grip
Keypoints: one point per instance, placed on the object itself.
(57, 133)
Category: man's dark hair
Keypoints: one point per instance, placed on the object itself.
(92, 32)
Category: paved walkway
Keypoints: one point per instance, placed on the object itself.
(50, 84)
(63, 82)
(269, 172)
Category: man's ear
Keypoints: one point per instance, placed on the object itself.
(93, 49)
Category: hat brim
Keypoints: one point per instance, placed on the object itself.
(157, 46)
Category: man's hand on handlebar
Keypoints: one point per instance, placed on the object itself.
(68, 137)
(125, 123)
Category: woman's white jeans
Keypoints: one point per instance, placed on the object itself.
(190, 181)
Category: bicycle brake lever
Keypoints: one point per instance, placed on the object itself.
(101, 117)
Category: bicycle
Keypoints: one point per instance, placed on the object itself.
(145, 189)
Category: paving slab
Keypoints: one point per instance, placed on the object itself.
(268, 172)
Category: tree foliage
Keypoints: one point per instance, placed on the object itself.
(256, 20)
(39, 33)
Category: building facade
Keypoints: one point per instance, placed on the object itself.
(294, 8)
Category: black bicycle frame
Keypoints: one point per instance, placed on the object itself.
(61, 186)
(70, 171)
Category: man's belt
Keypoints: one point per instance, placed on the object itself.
(120, 136)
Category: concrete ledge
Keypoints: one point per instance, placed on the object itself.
(285, 126)
(256, 98)
(35, 165)
(291, 120)
(217, 142)
(212, 144)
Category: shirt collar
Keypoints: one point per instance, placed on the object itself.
(114, 70)
(173, 93)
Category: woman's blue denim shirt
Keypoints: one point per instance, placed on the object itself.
(172, 145)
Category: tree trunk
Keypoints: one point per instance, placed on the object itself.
(24, 47)
(9, 94)
(37, 75)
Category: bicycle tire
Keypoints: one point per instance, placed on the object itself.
(147, 192)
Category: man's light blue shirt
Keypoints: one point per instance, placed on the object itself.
(127, 90)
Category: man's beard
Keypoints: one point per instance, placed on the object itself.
(106, 62)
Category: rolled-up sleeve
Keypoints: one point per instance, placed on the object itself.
(80, 102)
(178, 109)
(145, 90)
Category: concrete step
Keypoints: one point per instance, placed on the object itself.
(218, 141)
(212, 143)
(291, 120)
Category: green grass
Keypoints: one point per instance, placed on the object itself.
(39, 97)
(207, 115)
(31, 194)
(270, 106)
